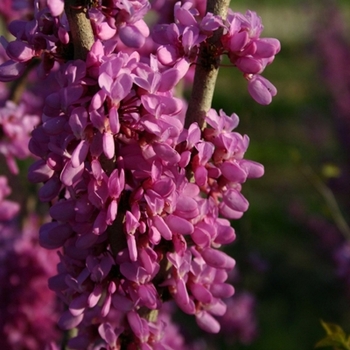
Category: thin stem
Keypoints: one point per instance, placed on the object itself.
(80, 27)
(330, 199)
(207, 69)
(83, 38)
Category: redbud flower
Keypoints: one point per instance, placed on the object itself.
(56, 7)
(250, 53)
(11, 70)
(261, 89)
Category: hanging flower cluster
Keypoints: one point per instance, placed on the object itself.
(140, 205)
(250, 53)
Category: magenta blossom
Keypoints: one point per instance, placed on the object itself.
(16, 126)
(8, 209)
(261, 89)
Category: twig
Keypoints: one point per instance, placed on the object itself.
(207, 69)
(80, 27)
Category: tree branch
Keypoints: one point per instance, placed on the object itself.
(80, 27)
(206, 70)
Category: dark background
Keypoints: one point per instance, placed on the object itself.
(296, 138)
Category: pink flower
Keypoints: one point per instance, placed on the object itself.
(250, 53)
(16, 125)
(261, 89)
(8, 209)
(11, 70)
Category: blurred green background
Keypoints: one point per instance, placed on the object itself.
(299, 287)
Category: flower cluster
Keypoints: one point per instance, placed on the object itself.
(133, 225)
(140, 205)
(47, 36)
(181, 40)
(17, 120)
(28, 309)
(8, 209)
(14, 9)
(16, 126)
(241, 42)
(240, 319)
(250, 53)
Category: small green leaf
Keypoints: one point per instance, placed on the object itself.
(336, 337)
(333, 329)
(326, 342)
(330, 170)
(348, 342)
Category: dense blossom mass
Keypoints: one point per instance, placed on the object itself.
(140, 205)
(28, 308)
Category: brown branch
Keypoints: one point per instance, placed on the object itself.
(80, 27)
(206, 70)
